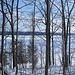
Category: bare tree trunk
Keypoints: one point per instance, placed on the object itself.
(41, 57)
(33, 24)
(2, 42)
(63, 36)
(12, 28)
(17, 36)
(47, 36)
(52, 44)
(69, 42)
(33, 51)
(49, 49)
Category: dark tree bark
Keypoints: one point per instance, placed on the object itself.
(50, 8)
(2, 42)
(33, 24)
(69, 42)
(12, 28)
(47, 36)
(69, 26)
(10, 10)
(52, 43)
(33, 50)
(63, 36)
(17, 36)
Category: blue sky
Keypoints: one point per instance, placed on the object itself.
(26, 13)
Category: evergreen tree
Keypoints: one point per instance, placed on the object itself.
(29, 52)
(21, 54)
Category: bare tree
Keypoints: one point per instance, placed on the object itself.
(10, 11)
(17, 35)
(33, 24)
(2, 43)
(65, 34)
(68, 23)
(47, 35)
(52, 43)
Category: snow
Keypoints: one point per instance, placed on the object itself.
(52, 70)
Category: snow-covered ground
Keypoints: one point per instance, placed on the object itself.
(53, 70)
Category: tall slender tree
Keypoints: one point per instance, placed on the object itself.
(63, 36)
(10, 10)
(68, 24)
(12, 28)
(2, 42)
(33, 30)
(47, 35)
(52, 43)
(17, 35)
